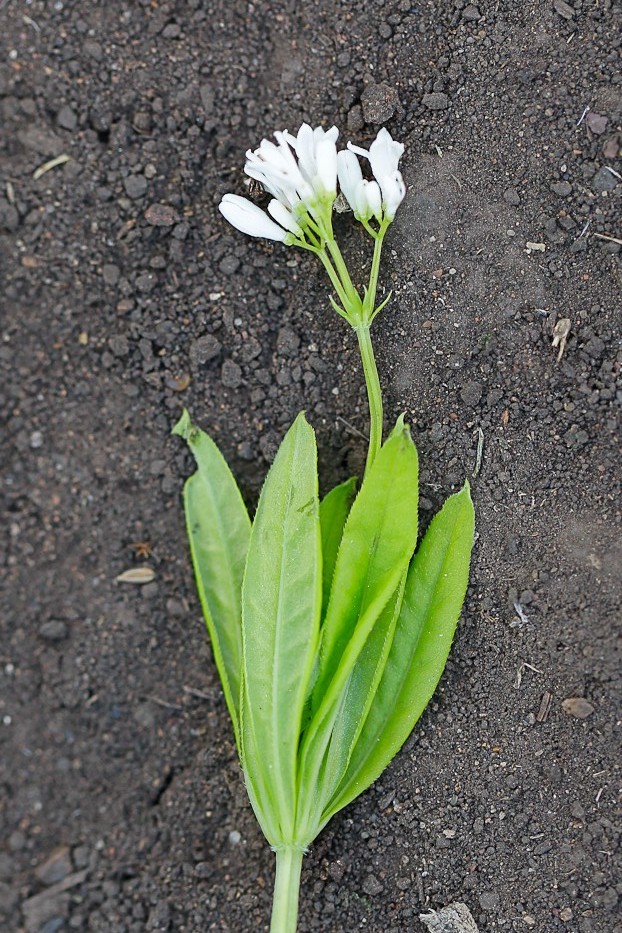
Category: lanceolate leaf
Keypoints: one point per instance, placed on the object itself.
(433, 597)
(334, 509)
(378, 540)
(358, 696)
(219, 530)
(281, 600)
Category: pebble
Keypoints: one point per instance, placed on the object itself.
(372, 886)
(562, 188)
(489, 900)
(355, 121)
(471, 14)
(161, 215)
(471, 393)
(94, 50)
(111, 274)
(204, 349)
(287, 342)
(436, 101)
(135, 186)
(231, 374)
(578, 707)
(53, 631)
(511, 196)
(66, 118)
(604, 180)
(229, 265)
(379, 103)
(56, 866)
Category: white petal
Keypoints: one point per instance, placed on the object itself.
(384, 154)
(350, 174)
(305, 150)
(326, 158)
(283, 216)
(247, 217)
(374, 199)
(358, 150)
(393, 192)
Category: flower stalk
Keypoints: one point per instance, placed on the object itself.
(303, 173)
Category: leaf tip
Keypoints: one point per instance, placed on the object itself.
(184, 426)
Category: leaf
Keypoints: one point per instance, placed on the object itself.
(378, 541)
(219, 531)
(281, 600)
(434, 593)
(359, 693)
(334, 509)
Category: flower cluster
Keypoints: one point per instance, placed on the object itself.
(301, 173)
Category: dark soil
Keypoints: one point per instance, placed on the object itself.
(126, 297)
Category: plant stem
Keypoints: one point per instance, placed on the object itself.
(375, 268)
(374, 394)
(286, 888)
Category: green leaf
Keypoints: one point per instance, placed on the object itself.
(378, 541)
(334, 509)
(219, 531)
(359, 694)
(281, 604)
(434, 593)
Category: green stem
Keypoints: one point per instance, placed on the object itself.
(286, 888)
(374, 393)
(375, 268)
(336, 282)
(342, 270)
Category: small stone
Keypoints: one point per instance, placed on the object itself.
(287, 342)
(161, 215)
(565, 914)
(379, 103)
(489, 900)
(66, 119)
(9, 218)
(612, 147)
(229, 265)
(53, 631)
(9, 898)
(372, 886)
(562, 188)
(564, 9)
(94, 50)
(111, 274)
(355, 121)
(436, 101)
(204, 349)
(596, 122)
(471, 393)
(471, 14)
(604, 180)
(456, 918)
(172, 31)
(119, 345)
(511, 196)
(146, 282)
(578, 707)
(231, 374)
(135, 186)
(56, 867)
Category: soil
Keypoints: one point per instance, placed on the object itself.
(126, 297)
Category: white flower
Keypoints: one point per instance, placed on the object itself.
(299, 171)
(249, 218)
(384, 155)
